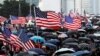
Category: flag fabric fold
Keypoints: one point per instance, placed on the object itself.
(27, 43)
(17, 20)
(51, 20)
(72, 22)
(14, 19)
(2, 19)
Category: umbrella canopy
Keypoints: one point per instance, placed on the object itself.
(81, 30)
(97, 34)
(37, 39)
(70, 40)
(94, 36)
(80, 53)
(54, 41)
(27, 54)
(98, 23)
(51, 46)
(37, 50)
(62, 35)
(63, 51)
(71, 45)
(84, 46)
(49, 35)
(84, 39)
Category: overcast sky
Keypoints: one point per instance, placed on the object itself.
(53, 5)
(1, 1)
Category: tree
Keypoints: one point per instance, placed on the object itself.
(12, 8)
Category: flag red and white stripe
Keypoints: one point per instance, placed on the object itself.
(19, 20)
(22, 20)
(16, 40)
(52, 20)
(76, 22)
(73, 26)
(28, 45)
(2, 19)
(2, 37)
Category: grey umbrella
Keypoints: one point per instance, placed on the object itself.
(38, 50)
(70, 40)
(63, 51)
(54, 41)
(71, 45)
(51, 46)
(84, 46)
(84, 39)
(27, 54)
(98, 23)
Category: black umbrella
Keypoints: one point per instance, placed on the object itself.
(81, 30)
(54, 41)
(27, 54)
(84, 39)
(49, 35)
(92, 36)
(70, 40)
(63, 51)
(84, 46)
(82, 53)
(98, 23)
(50, 46)
(71, 45)
(38, 50)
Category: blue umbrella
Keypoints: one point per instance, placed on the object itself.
(78, 53)
(54, 41)
(37, 39)
(49, 45)
(38, 50)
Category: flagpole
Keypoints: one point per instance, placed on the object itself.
(30, 7)
(35, 22)
(19, 14)
(61, 15)
(74, 5)
(19, 9)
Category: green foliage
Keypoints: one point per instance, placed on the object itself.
(12, 8)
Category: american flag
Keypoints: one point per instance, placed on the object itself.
(2, 38)
(52, 20)
(27, 43)
(21, 20)
(72, 23)
(22, 40)
(16, 40)
(17, 20)
(2, 19)
(14, 19)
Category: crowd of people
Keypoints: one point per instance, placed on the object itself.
(83, 42)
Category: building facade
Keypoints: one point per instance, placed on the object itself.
(90, 6)
(36, 2)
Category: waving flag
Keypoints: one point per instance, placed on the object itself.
(2, 37)
(7, 31)
(72, 23)
(21, 20)
(14, 19)
(15, 40)
(2, 19)
(51, 20)
(27, 43)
